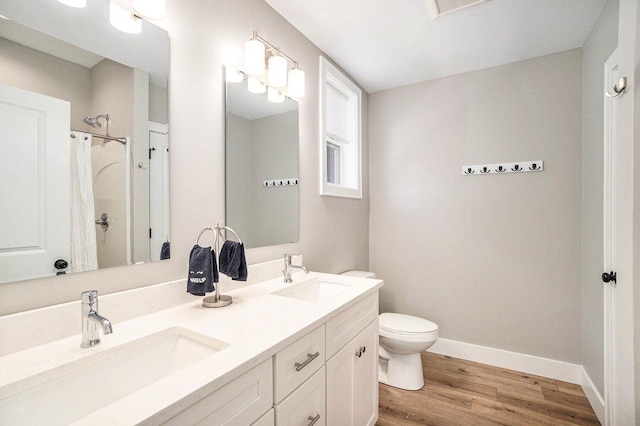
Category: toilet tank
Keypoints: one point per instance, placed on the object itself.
(360, 274)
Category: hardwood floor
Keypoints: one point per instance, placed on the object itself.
(460, 393)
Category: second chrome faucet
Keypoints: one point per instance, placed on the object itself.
(288, 267)
(91, 319)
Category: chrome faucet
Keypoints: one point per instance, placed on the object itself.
(91, 320)
(288, 266)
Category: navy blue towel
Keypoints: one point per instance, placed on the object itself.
(232, 261)
(165, 251)
(203, 271)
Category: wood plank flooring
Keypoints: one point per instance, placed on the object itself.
(460, 393)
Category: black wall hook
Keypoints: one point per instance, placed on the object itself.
(517, 168)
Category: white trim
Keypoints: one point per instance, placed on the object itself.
(329, 74)
(553, 369)
(595, 399)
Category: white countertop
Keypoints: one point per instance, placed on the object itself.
(255, 326)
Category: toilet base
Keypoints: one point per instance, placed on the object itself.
(401, 371)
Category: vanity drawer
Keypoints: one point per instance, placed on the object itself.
(306, 405)
(297, 362)
(346, 325)
(239, 402)
(269, 419)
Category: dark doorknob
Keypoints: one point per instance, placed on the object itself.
(607, 277)
(61, 264)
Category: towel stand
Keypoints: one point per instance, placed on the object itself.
(217, 300)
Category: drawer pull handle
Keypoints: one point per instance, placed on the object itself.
(314, 420)
(310, 357)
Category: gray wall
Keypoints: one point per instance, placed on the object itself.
(333, 231)
(495, 259)
(599, 46)
(30, 69)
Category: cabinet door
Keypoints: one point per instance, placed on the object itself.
(366, 378)
(306, 405)
(352, 381)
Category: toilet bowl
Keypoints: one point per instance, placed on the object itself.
(402, 338)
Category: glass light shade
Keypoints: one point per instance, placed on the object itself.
(274, 95)
(152, 9)
(296, 87)
(277, 73)
(254, 57)
(74, 3)
(123, 19)
(232, 74)
(255, 86)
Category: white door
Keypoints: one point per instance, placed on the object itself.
(34, 183)
(158, 188)
(618, 251)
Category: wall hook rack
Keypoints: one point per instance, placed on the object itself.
(518, 167)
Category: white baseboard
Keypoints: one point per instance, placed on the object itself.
(558, 370)
(595, 399)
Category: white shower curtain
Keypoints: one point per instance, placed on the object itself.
(84, 256)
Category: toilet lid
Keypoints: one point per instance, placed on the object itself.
(400, 323)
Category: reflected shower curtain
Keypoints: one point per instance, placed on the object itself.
(84, 255)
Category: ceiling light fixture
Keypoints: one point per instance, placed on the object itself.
(74, 3)
(257, 51)
(123, 19)
(150, 9)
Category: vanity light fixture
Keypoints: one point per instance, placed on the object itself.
(232, 75)
(257, 51)
(74, 3)
(123, 19)
(254, 52)
(277, 71)
(150, 9)
(296, 82)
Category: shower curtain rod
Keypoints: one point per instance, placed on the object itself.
(123, 141)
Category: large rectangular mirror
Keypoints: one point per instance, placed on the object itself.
(84, 149)
(261, 167)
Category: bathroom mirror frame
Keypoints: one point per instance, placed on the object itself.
(261, 167)
(147, 54)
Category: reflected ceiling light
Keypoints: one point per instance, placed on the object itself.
(124, 19)
(74, 3)
(255, 86)
(151, 9)
(255, 51)
(274, 95)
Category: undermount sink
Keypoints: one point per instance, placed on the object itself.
(312, 290)
(67, 393)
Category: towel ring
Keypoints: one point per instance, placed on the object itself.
(208, 228)
(219, 228)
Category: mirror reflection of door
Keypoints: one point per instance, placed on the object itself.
(34, 184)
(159, 233)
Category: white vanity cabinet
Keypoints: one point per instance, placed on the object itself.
(330, 376)
(240, 402)
(352, 381)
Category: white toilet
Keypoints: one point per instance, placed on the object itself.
(402, 338)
